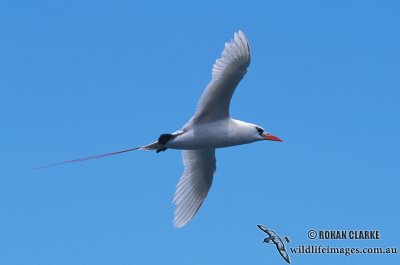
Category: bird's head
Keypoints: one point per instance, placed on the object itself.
(263, 135)
(251, 132)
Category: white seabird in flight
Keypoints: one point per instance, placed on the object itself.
(211, 127)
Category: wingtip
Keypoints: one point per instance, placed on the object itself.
(179, 223)
(242, 37)
(241, 34)
(262, 227)
(236, 36)
(177, 226)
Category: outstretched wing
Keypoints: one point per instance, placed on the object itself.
(283, 253)
(266, 230)
(194, 184)
(226, 75)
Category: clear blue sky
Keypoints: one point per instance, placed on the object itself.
(79, 78)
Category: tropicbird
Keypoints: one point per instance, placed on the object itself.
(211, 127)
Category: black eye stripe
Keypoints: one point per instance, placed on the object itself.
(259, 130)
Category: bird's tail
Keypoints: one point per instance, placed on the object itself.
(153, 146)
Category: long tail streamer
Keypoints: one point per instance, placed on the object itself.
(90, 158)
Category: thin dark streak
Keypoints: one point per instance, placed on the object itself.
(89, 158)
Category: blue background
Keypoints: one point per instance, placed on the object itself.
(78, 78)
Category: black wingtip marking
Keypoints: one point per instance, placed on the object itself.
(165, 138)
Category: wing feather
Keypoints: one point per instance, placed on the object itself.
(227, 72)
(194, 184)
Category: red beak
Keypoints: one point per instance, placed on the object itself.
(271, 137)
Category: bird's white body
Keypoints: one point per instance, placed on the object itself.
(216, 134)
